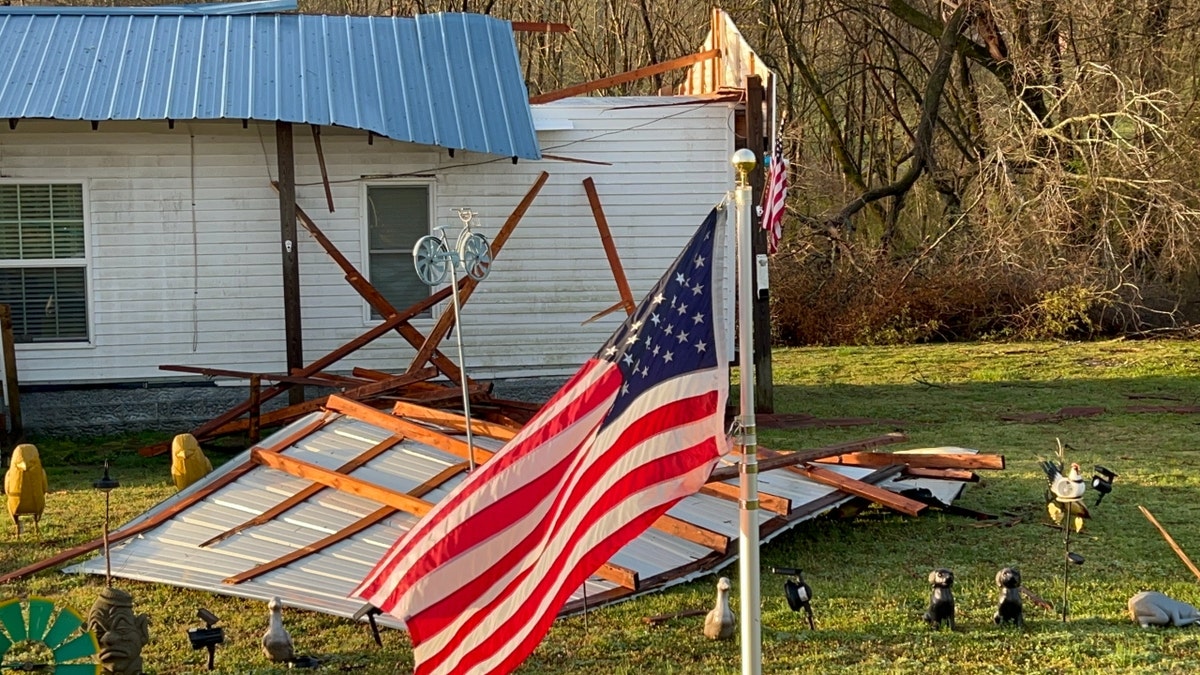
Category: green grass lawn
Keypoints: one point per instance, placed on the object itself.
(868, 572)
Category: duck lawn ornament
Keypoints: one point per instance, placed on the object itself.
(188, 463)
(719, 623)
(277, 641)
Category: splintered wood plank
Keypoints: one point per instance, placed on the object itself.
(863, 489)
(376, 516)
(723, 473)
(205, 430)
(438, 393)
(467, 285)
(941, 474)
(770, 502)
(287, 504)
(919, 460)
(703, 536)
(621, 78)
(622, 576)
(610, 248)
(357, 393)
(452, 420)
(406, 428)
(157, 519)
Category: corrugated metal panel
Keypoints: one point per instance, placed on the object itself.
(170, 553)
(209, 8)
(450, 80)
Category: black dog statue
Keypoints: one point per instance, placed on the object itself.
(1012, 608)
(941, 601)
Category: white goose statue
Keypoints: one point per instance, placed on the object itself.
(277, 642)
(719, 623)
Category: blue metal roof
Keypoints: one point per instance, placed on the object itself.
(451, 80)
(246, 7)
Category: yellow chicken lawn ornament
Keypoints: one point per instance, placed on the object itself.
(188, 463)
(25, 485)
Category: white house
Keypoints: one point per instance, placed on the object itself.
(139, 227)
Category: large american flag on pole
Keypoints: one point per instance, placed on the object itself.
(479, 580)
(775, 197)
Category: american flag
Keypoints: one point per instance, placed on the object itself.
(774, 198)
(479, 580)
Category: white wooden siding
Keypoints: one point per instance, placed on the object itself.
(161, 293)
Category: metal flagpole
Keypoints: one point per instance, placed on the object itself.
(744, 161)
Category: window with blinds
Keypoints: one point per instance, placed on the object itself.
(43, 269)
(397, 216)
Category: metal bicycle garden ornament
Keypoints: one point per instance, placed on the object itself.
(434, 261)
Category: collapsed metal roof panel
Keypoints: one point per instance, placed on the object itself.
(206, 545)
(451, 80)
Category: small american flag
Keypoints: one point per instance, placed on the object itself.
(775, 198)
(479, 580)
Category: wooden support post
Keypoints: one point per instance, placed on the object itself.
(11, 382)
(255, 429)
(764, 389)
(292, 325)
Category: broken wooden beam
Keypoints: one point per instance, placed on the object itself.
(540, 27)
(289, 413)
(919, 460)
(404, 427)
(723, 473)
(940, 474)
(244, 375)
(610, 248)
(452, 420)
(891, 500)
(622, 78)
(769, 502)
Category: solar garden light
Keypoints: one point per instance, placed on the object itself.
(208, 637)
(370, 611)
(107, 484)
(1102, 482)
(797, 591)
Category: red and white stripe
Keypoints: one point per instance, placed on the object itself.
(775, 198)
(558, 501)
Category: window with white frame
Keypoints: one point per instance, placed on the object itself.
(43, 267)
(397, 216)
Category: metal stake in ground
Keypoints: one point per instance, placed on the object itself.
(434, 260)
(107, 484)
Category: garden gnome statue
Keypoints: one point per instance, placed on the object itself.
(120, 633)
(25, 486)
(188, 463)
